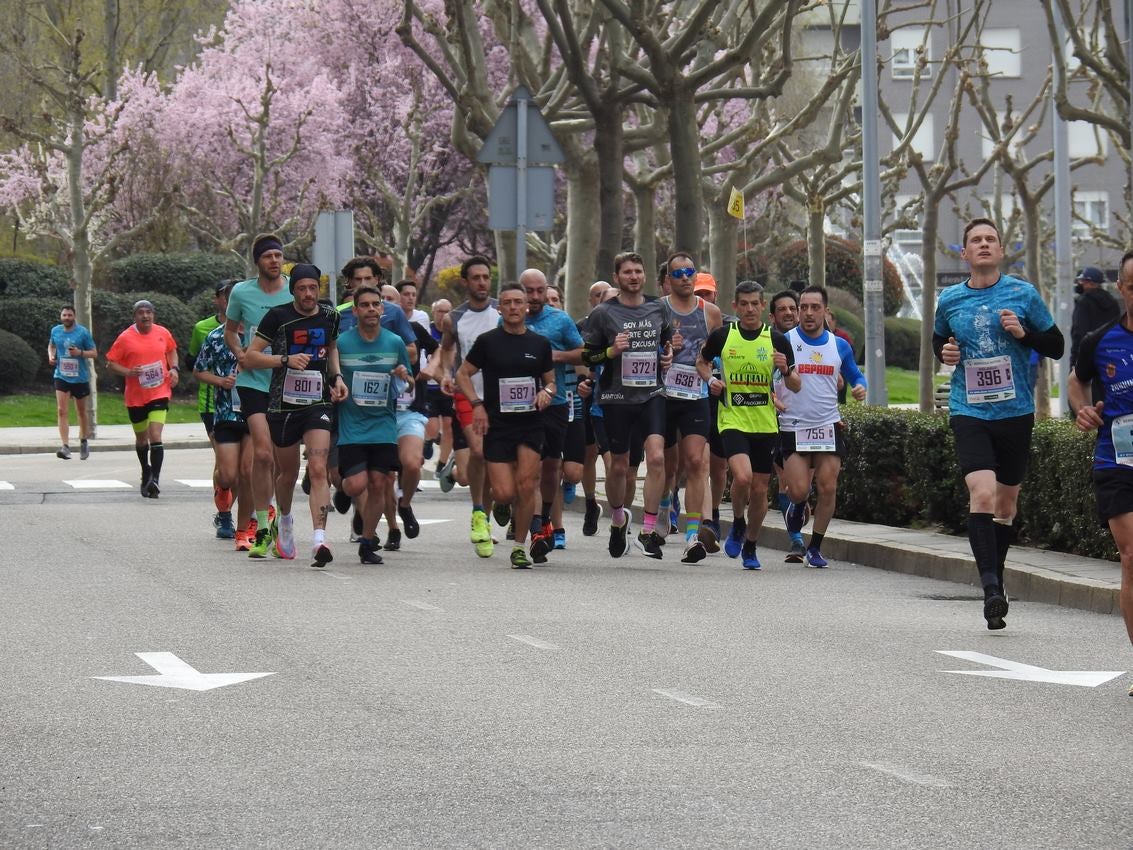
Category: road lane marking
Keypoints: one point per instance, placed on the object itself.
(195, 482)
(906, 775)
(5, 485)
(687, 699)
(535, 642)
(329, 574)
(1007, 669)
(99, 484)
(424, 606)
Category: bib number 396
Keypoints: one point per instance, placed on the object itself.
(989, 379)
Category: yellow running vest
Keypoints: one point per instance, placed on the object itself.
(746, 403)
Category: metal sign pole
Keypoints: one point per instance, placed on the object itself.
(521, 182)
(872, 285)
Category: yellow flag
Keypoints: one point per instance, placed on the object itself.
(736, 204)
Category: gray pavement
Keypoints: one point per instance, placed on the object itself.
(1032, 574)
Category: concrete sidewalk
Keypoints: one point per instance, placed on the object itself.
(1032, 574)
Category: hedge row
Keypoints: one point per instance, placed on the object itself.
(901, 470)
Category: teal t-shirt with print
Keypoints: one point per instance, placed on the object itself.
(369, 414)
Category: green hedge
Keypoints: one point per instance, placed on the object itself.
(31, 319)
(901, 470)
(903, 343)
(21, 278)
(21, 362)
(181, 275)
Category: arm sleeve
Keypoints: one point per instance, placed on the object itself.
(1048, 343)
(715, 343)
(783, 345)
(1085, 368)
(425, 340)
(850, 370)
(938, 343)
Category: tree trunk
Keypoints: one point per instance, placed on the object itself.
(816, 240)
(723, 243)
(113, 63)
(608, 146)
(81, 267)
(929, 226)
(644, 231)
(688, 191)
(582, 232)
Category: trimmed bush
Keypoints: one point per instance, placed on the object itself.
(903, 343)
(24, 278)
(113, 313)
(31, 319)
(180, 275)
(852, 325)
(21, 363)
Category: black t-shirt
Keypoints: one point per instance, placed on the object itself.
(426, 345)
(290, 332)
(515, 364)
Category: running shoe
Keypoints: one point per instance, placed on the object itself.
(84, 450)
(510, 533)
(709, 535)
(244, 540)
(445, 478)
(814, 558)
(995, 609)
(569, 491)
(694, 551)
(225, 530)
(560, 538)
(501, 513)
(796, 518)
(649, 543)
(619, 536)
(797, 554)
(735, 541)
(519, 559)
(367, 553)
(284, 533)
(540, 546)
(412, 527)
(481, 535)
(271, 513)
(675, 514)
(393, 540)
(427, 450)
(263, 543)
(590, 519)
(321, 556)
(341, 501)
(152, 488)
(750, 560)
(64, 453)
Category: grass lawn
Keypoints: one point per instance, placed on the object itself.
(902, 385)
(38, 409)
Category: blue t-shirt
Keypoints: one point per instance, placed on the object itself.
(73, 370)
(393, 319)
(993, 357)
(1106, 354)
(369, 414)
(559, 329)
(216, 357)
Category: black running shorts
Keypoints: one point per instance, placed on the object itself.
(1001, 445)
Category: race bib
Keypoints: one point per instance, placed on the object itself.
(153, 375)
(302, 386)
(405, 396)
(683, 381)
(639, 368)
(235, 395)
(517, 395)
(1121, 432)
(989, 379)
(69, 367)
(820, 439)
(570, 406)
(370, 389)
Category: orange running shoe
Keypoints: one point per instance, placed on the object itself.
(243, 542)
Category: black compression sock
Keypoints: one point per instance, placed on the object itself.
(157, 456)
(143, 459)
(982, 538)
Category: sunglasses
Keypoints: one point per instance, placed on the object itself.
(679, 273)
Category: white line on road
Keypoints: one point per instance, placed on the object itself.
(5, 485)
(98, 484)
(535, 642)
(424, 606)
(687, 699)
(329, 574)
(906, 775)
(194, 482)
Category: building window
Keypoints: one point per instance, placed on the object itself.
(1091, 213)
(905, 43)
(924, 140)
(1001, 51)
(1085, 139)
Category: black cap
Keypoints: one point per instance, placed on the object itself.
(1091, 274)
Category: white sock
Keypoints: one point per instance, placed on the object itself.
(320, 537)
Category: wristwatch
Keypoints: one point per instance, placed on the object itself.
(283, 359)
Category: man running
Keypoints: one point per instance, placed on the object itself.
(631, 337)
(440, 429)
(811, 436)
(374, 360)
(518, 384)
(248, 303)
(988, 326)
(785, 317)
(593, 510)
(69, 347)
(305, 383)
(146, 356)
(206, 403)
(459, 331)
(750, 353)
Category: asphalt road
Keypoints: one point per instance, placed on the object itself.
(440, 700)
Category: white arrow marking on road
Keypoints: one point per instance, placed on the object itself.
(535, 642)
(423, 606)
(687, 699)
(98, 484)
(195, 482)
(6, 485)
(1027, 673)
(172, 672)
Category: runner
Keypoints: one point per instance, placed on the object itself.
(688, 413)
(988, 325)
(440, 427)
(305, 383)
(705, 287)
(518, 379)
(811, 436)
(593, 511)
(248, 302)
(750, 352)
(373, 360)
(206, 403)
(785, 317)
(1106, 355)
(215, 367)
(631, 335)
(459, 331)
(407, 295)
(69, 347)
(146, 356)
